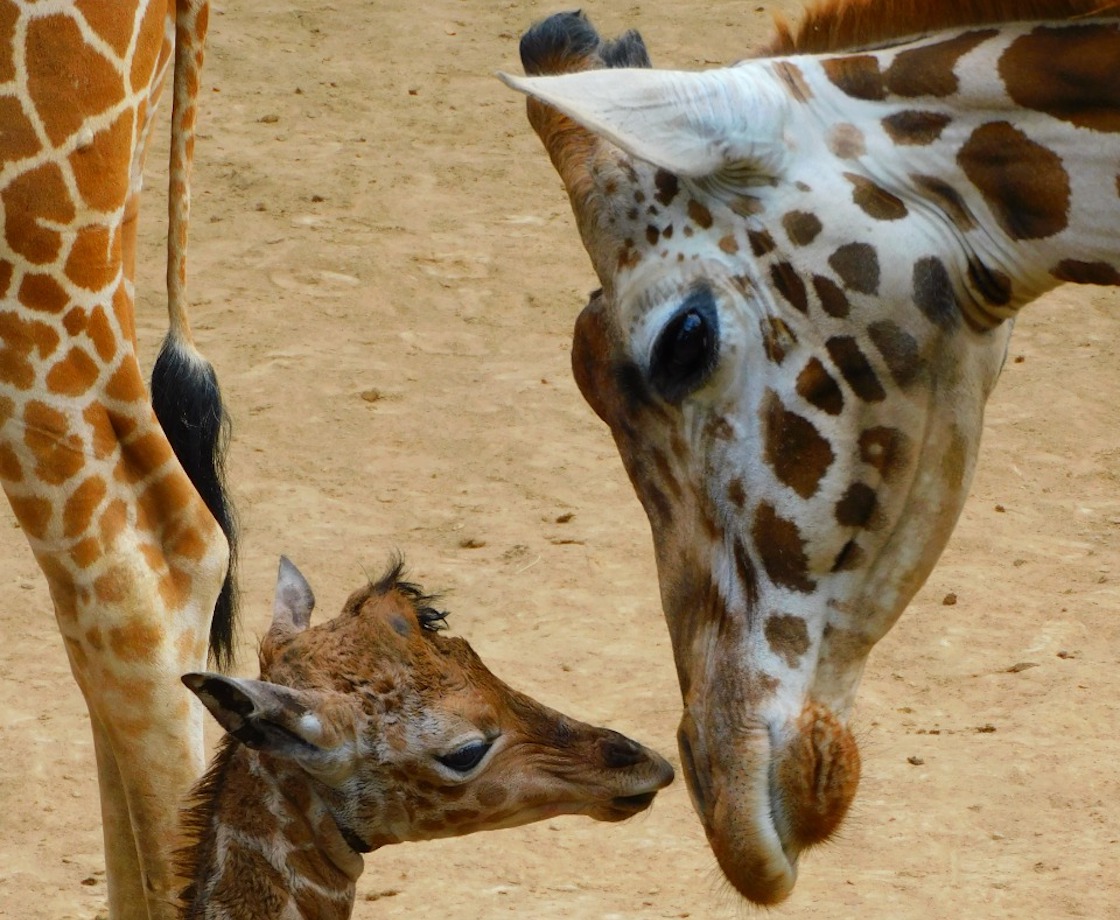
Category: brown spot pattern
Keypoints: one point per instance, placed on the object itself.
(833, 300)
(885, 449)
(874, 200)
(135, 640)
(19, 338)
(75, 374)
(799, 455)
(80, 507)
(816, 386)
(61, 66)
(934, 293)
(42, 292)
(801, 227)
(782, 550)
(1080, 80)
(915, 127)
(900, 351)
(846, 141)
(31, 201)
(699, 214)
(58, 452)
(20, 140)
(857, 264)
(857, 506)
(762, 243)
(855, 368)
(1024, 183)
(928, 70)
(1086, 272)
(788, 637)
(857, 76)
(790, 285)
(667, 186)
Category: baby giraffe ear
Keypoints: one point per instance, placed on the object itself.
(695, 125)
(264, 716)
(293, 602)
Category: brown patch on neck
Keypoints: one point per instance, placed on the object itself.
(1024, 183)
(799, 455)
(928, 70)
(794, 79)
(1071, 72)
(874, 200)
(915, 127)
(782, 549)
(1087, 272)
(858, 76)
(788, 637)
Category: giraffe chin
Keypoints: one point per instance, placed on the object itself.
(773, 793)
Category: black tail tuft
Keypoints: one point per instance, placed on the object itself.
(188, 404)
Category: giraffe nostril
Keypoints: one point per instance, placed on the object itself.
(618, 751)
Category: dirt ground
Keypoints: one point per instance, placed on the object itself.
(385, 273)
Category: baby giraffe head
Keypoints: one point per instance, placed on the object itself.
(402, 733)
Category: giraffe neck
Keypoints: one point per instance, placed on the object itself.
(993, 150)
(260, 834)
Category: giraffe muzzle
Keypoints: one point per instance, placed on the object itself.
(765, 793)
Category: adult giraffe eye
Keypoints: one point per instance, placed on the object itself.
(686, 351)
(466, 758)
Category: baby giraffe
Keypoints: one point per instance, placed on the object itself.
(374, 729)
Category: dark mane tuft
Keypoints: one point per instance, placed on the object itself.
(844, 25)
(195, 849)
(394, 579)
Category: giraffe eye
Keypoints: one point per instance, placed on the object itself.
(686, 351)
(466, 758)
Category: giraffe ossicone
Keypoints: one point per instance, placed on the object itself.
(370, 729)
(806, 263)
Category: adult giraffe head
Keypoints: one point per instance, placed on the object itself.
(806, 263)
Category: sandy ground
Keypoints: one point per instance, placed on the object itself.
(385, 273)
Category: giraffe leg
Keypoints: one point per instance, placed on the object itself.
(122, 865)
(148, 740)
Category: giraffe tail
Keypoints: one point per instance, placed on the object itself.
(185, 394)
(188, 404)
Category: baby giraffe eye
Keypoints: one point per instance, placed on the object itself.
(686, 351)
(466, 758)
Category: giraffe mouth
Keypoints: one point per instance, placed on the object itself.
(739, 809)
(632, 804)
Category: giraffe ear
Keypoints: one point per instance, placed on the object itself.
(293, 602)
(266, 717)
(694, 125)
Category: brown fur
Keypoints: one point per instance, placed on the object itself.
(844, 25)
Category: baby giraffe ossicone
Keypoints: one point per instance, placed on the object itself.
(373, 729)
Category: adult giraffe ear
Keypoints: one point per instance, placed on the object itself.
(292, 603)
(695, 125)
(268, 717)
